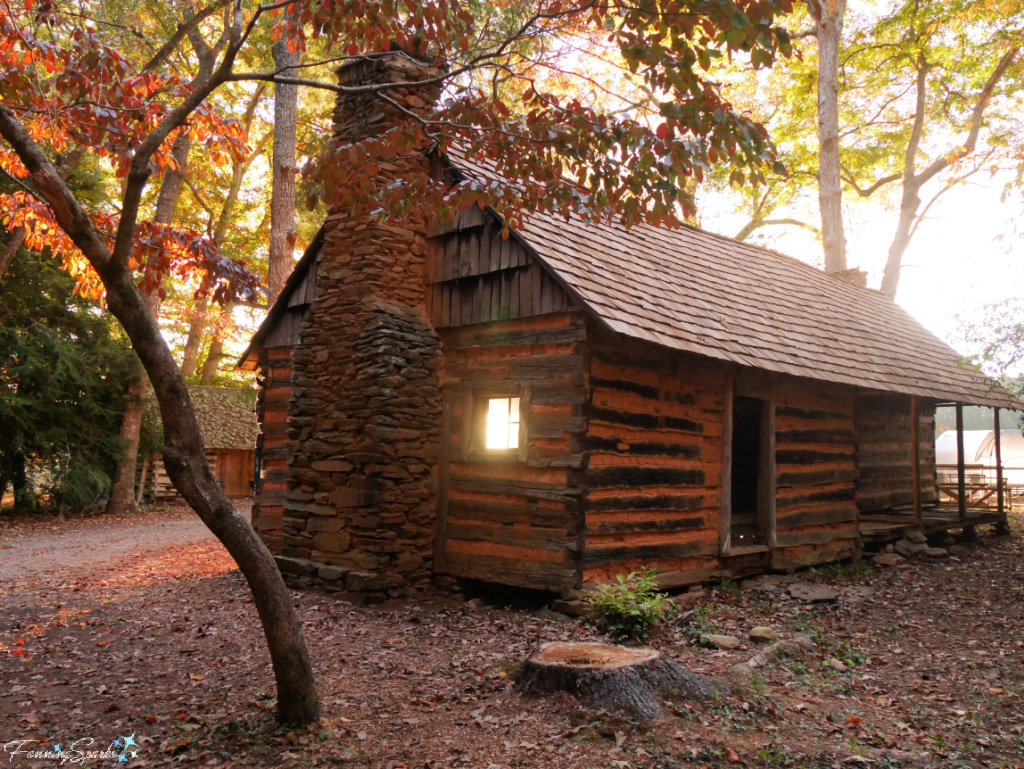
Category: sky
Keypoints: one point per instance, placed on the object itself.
(956, 263)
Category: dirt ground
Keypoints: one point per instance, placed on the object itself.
(148, 632)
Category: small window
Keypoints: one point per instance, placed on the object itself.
(502, 423)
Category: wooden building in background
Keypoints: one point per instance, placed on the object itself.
(229, 428)
(569, 402)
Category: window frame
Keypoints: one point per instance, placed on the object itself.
(476, 401)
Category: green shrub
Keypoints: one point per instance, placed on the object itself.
(631, 606)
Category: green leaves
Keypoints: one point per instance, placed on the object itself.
(631, 606)
(63, 371)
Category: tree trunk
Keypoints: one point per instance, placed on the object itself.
(618, 679)
(122, 493)
(828, 17)
(174, 180)
(282, 197)
(194, 340)
(213, 358)
(909, 204)
(24, 495)
(184, 453)
(7, 254)
(142, 481)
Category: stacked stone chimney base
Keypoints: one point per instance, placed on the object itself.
(360, 510)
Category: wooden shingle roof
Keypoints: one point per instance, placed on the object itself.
(701, 293)
(226, 416)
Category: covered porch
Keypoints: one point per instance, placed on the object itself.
(964, 501)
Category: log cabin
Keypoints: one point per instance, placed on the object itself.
(229, 428)
(555, 405)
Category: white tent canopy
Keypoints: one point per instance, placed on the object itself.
(980, 449)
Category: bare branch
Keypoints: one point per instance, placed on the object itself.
(868, 191)
(180, 33)
(750, 227)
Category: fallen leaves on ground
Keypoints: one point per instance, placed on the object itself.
(166, 645)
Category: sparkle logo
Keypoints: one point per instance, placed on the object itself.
(126, 748)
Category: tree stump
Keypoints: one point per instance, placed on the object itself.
(631, 682)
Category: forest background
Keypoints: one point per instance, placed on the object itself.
(910, 77)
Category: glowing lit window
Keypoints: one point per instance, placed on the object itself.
(502, 423)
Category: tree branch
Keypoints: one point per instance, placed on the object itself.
(139, 170)
(868, 191)
(180, 33)
(750, 227)
(53, 191)
(977, 114)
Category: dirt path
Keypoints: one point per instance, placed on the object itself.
(85, 546)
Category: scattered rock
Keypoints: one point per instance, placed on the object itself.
(888, 559)
(552, 615)
(769, 580)
(937, 552)
(790, 647)
(858, 594)
(917, 537)
(907, 548)
(570, 608)
(763, 634)
(727, 642)
(686, 600)
(960, 551)
(330, 573)
(812, 593)
(837, 665)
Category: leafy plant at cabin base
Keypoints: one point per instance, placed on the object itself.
(631, 606)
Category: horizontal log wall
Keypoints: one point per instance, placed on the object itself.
(815, 474)
(273, 446)
(884, 455)
(653, 481)
(516, 520)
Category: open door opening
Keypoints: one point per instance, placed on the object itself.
(747, 481)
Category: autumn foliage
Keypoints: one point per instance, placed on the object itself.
(73, 93)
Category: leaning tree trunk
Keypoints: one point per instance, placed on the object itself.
(621, 680)
(184, 453)
(909, 205)
(828, 18)
(122, 494)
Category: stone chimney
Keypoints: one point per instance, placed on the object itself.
(856, 276)
(365, 413)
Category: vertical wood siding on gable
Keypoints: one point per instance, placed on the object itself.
(884, 452)
(517, 522)
(480, 277)
(654, 434)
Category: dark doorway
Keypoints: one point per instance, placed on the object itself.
(746, 482)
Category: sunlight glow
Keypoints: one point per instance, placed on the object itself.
(503, 423)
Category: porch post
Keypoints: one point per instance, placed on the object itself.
(961, 480)
(1000, 502)
(915, 454)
